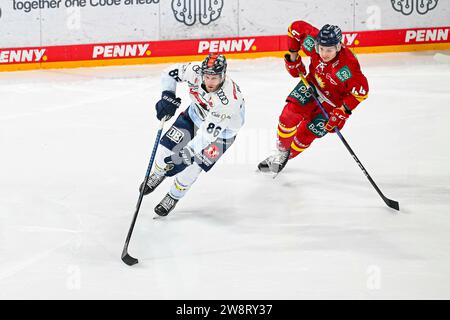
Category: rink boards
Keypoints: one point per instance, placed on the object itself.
(126, 53)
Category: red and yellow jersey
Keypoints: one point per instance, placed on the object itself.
(339, 80)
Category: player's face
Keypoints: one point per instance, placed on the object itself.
(212, 81)
(327, 53)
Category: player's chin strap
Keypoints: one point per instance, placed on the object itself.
(391, 203)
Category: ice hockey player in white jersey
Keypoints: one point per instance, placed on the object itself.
(202, 133)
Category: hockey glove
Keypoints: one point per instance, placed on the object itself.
(178, 162)
(187, 155)
(294, 68)
(337, 119)
(167, 106)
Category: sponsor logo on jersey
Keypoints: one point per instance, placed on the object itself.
(121, 51)
(223, 98)
(175, 135)
(301, 93)
(426, 35)
(235, 45)
(22, 55)
(317, 126)
(330, 78)
(221, 116)
(212, 151)
(309, 43)
(317, 129)
(344, 74)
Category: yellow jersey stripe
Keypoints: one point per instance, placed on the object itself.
(286, 135)
(286, 130)
(360, 98)
(294, 146)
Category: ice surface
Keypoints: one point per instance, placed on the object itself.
(75, 145)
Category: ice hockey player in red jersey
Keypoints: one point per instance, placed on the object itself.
(335, 76)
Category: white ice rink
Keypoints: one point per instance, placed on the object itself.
(75, 145)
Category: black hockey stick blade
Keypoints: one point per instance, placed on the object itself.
(129, 260)
(392, 204)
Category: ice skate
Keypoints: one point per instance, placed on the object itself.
(153, 182)
(166, 205)
(275, 163)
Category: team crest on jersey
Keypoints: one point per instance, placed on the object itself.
(175, 135)
(309, 43)
(321, 66)
(344, 74)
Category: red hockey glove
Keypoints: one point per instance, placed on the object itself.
(294, 68)
(337, 119)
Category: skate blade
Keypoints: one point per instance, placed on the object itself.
(264, 172)
(268, 173)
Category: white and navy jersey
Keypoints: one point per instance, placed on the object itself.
(218, 114)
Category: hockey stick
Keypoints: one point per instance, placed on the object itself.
(390, 203)
(129, 260)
